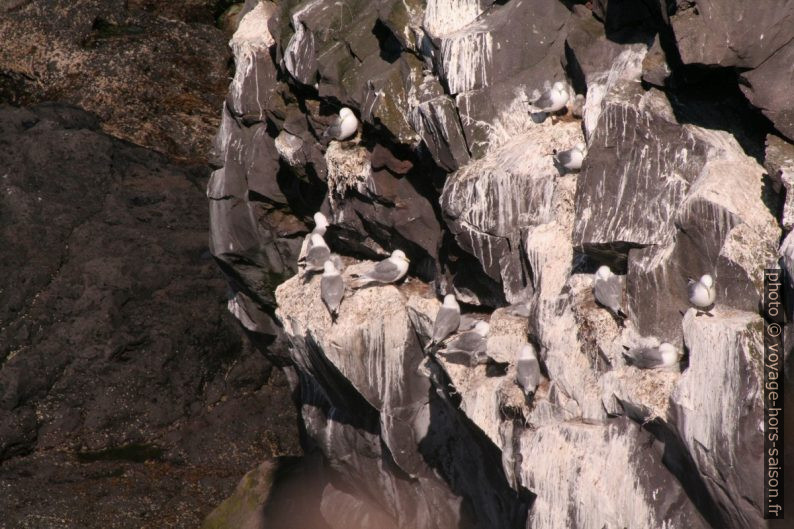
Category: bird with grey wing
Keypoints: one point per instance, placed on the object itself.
(320, 226)
(343, 126)
(332, 288)
(317, 254)
(447, 321)
(577, 106)
(390, 270)
(608, 291)
(570, 161)
(527, 369)
(552, 100)
(663, 356)
(468, 348)
(702, 294)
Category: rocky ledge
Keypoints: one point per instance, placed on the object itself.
(687, 167)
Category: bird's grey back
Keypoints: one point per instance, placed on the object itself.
(332, 288)
(609, 292)
(447, 322)
(645, 357)
(528, 373)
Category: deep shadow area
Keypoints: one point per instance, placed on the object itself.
(471, 465)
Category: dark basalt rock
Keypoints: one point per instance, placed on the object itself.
(154, 73)
(658, 160)
(115, 344)
(717, 34)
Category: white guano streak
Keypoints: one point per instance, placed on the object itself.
(465, 57)
(251, 37)
(443, 17)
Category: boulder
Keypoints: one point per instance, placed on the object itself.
(717, 406)
(489, 201)
(366, 366)
(590, 457)
(716, 34)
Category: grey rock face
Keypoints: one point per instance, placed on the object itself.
(408, 424)
(715, 33)
(116, 355)
(658, 160)
(450, 167)
(724, 431)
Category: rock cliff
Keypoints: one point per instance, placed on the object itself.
(688, 165)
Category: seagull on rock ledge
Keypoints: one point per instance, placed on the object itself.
(702, 293)
(320, 226)
(570, 160)
(343, 126)
(332, 288)
(390, 270)
(550, 101)
(527, 369)
(664, 356)
(608, 291)
(317, 254)
(447, 320)
(468, 348)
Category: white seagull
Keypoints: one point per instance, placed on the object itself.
(702, 293)
(468, 348)
(608, 290)
(320, 226)
(391, 269)
(320, 223)
(343, 127)
(332, 288)
(664, 356)
(447, 320)
(552, 100)
(527, 369)
(317, 254)
(571, 160)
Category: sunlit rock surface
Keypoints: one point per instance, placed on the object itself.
(449, 166)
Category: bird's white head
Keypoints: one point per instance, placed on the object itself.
(317, 240)
(603, 272)
(559, 86)
(667, 348)
(707, 281)
(450, 301)
(581, 147)
(320, 222)
(399, 254)
(482, 328)
(345, 113)
(670, 354)
(527, 352)
(329, 269)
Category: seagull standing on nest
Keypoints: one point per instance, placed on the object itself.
(665, 356)
(571, 160)
(527, 369)
(390, 270)
(608, 291)
(702, 293)
(468, 348)
(550, 101)
(343, 126)
(447, 320)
